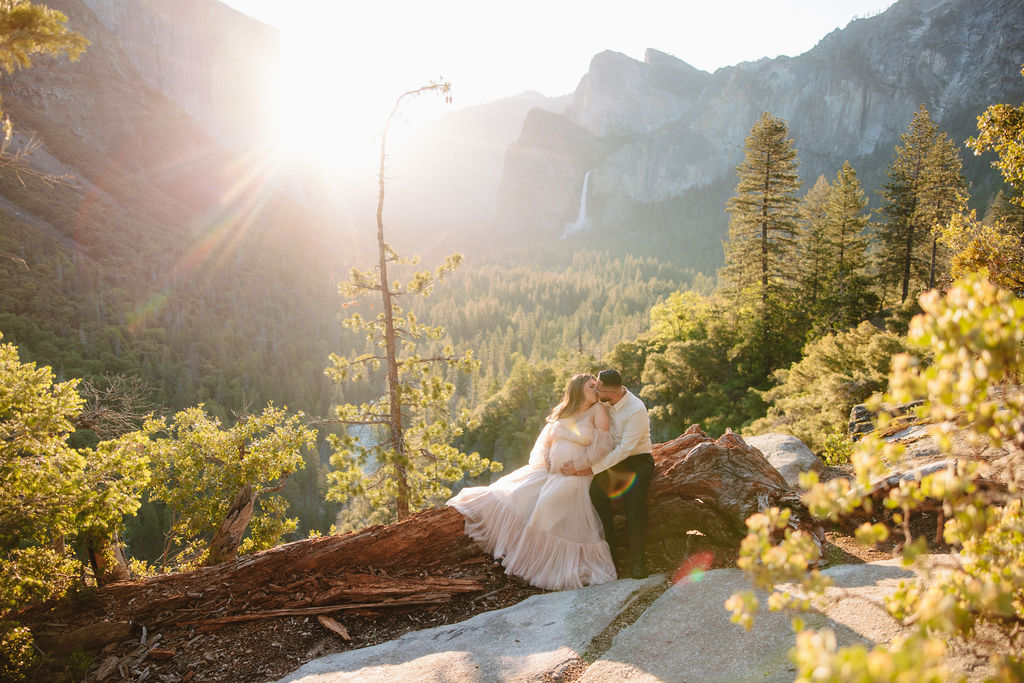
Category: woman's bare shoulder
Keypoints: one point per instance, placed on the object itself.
(601, 415)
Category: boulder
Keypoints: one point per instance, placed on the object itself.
(687, 635)
(788, 454)
(541, 634)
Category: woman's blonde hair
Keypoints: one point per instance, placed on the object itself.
(572, 398)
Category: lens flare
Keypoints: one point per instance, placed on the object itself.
(619, 483)
(217, 231)
(693, 567)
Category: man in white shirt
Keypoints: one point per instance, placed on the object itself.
(626, 471)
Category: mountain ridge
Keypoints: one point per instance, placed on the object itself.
(848, 98)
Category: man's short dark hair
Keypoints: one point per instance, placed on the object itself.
(610, 379)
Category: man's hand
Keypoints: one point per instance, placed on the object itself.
(568, 470)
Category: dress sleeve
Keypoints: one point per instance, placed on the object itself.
(541, 449)
(600, 447)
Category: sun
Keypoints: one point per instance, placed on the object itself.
(336, 86)
(320, 120)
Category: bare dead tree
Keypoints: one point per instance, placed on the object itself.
(115, 405)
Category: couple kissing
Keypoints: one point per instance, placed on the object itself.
(550, 521)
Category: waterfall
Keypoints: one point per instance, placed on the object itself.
(582, 222)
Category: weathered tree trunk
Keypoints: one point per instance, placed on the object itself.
(87, 637)
(700, 485)
(109, 564)
(711, 487)
(224, 545)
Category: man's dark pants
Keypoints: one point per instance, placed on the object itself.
(635, 503)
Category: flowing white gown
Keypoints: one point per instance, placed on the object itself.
(540, 523)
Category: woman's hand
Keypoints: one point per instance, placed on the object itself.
(568, 470)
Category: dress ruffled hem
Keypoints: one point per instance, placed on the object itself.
(489, 522)
(541, 558)
(554, 563)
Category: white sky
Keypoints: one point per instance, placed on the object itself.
(345, 61)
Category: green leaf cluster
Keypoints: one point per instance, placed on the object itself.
(52, 495)
(975, 337)
(199, 466)
(1000, 130)
(17, 654)
(813, 397)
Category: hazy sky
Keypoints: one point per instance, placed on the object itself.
(346, 60)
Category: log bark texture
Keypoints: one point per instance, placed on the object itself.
(712, 486)
(224, 545)
(702, 489)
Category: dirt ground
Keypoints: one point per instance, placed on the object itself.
(268, 649)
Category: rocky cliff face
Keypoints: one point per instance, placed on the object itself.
(674, 134)
(215, 62)
(620, 96)
(99, 110)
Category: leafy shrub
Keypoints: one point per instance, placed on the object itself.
(814, 396)
(837, 449)
(976, 333)
(17, 654)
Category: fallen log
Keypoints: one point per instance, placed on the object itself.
(702, 488)
(429, 599)
(89, 637)
(711, 487)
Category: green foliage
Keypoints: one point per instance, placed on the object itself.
(813, 247)
(77, 665)
(199, 466)
(847, 298)
(813, 397)
(975, 334)
(836, 449)
(760, 263)
(51, 494)
(404, 459)
(1001, 129)
(818, 658)
(542, 306)
(925, 188)
(28, 29)
(768, 563)
(683, 315)
(763, 212)
(17, 654)
(707, 375)
(997, 250)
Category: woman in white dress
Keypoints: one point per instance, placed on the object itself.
(538, 522)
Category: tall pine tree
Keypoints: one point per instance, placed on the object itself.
(814, 247)
(925, 186)
(846, 224)
(402, 458)
(764, 212)
(943, 192)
